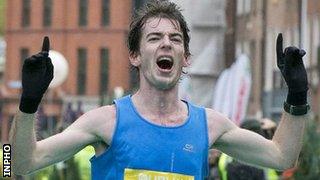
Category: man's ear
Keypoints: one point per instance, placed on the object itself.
(186, 61)
(134, 59)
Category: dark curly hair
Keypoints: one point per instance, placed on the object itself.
(158, 9)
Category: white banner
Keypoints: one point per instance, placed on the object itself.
(232, 90)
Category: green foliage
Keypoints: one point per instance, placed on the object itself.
(54, 174)
(72, 169)
(309, 160)
(83, 158)
(2, 16)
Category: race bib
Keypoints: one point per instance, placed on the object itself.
(138, 174)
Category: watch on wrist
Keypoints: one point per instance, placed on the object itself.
(296, 110)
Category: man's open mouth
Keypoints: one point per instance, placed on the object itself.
(165, 63)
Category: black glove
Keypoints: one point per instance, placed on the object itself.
(293, 71)
(37, 73)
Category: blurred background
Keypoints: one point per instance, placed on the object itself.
(233, 58)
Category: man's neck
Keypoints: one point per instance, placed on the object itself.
(160, 106)
(157, 101)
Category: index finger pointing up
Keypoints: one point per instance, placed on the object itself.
(45, 44)
(279, 46)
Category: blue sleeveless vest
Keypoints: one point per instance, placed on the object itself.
(142, 150)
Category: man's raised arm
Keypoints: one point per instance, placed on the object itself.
(28, 154)
(282, 152)
(290, 131)
(37, 73)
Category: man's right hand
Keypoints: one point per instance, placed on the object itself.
(37, 73)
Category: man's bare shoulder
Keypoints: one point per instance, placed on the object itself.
(102, 121)
(216, 118)
(218, 124)
(108, 111)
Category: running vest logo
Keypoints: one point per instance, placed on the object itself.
(139, 174)
(188, 147)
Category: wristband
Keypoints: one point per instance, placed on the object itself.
(296, 110)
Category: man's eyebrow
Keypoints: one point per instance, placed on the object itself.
(160, 34)
(154, 33)
(177, 34)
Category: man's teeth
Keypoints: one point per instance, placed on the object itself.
(165, 58)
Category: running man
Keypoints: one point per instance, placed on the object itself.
(152, 133)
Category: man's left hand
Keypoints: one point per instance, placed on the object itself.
(293, 71)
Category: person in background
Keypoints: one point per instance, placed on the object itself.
(268, 127)
(69, 115)
(79, 112)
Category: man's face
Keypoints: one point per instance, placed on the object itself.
(162, 54)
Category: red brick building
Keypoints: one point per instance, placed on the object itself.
(91, 34)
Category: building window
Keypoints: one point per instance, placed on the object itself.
(24, 54)
(25, 19)
(247, 6)
(104, 70)
(243, 7)
(105, 12)
(83, 12)
(82, 71)
(47, 13)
